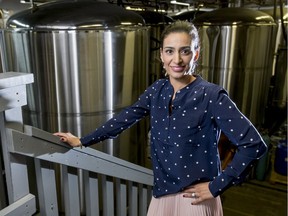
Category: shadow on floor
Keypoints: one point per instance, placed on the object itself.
(255, 198)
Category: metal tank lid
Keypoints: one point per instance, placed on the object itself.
(233, 16)
(188, 15)
(153, 17)
(85, 14)
(276, 14)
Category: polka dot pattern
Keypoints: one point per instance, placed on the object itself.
(184, 139)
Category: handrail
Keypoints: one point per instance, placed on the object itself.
(131, 181)
(49, 177)
(25, 204)
(45, 146)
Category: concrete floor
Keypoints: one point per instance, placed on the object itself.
(256, 198)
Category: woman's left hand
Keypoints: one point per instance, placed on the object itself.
(198, 192)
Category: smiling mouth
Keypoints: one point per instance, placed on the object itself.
(178, 68)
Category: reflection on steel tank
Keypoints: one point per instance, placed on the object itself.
(235, 54)
(157, 22)
(89, 59)
(188, 15)
(277, 105)
(1, 26)
(280, 60)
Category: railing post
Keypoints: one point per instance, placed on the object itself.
(3, 201)
(12, 98)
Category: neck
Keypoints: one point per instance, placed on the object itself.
(179, 84)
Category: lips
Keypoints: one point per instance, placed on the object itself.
(178, 68)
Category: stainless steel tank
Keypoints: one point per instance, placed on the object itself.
(277, 104)
(157, 22)
(280, 61)
(188, 15)
(89, 59)
(236, 54)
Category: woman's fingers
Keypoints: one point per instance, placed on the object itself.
(69, 138)
(198, 193)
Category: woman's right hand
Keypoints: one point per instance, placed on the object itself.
(69, 138)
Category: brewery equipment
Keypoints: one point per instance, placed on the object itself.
(89, 59)
(235, 54)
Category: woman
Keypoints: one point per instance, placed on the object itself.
(187, 115)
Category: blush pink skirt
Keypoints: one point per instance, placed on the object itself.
(177, 205)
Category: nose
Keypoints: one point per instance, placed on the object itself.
(177, 58)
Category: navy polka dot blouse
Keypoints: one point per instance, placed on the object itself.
(185, 134)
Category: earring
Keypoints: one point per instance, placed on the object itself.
(164, 70)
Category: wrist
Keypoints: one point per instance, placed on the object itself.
(80, 143)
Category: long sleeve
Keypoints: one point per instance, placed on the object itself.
(125, 119)
(243, 135)
(184, 139)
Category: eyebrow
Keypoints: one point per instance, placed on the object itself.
(185, 47)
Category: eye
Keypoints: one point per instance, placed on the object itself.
(186, 51)
(169, 51)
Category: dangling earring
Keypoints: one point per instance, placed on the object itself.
(165, 74)
(164, 70)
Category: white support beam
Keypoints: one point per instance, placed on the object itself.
(12, 98)
(12, 79)
(46, 185)
(108, 195)
(91, 188)
(133, 198)
(43, 145)
(25, 206)
(121, 197)
(71, 190)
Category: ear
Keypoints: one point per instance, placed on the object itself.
(161, 54)
(196, 56)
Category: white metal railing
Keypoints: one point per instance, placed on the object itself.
(47, 177)
(100, 171)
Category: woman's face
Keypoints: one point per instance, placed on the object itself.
(176, 54)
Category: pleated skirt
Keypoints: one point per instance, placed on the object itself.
(177, 205)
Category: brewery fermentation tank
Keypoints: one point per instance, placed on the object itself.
(276, 113)
(157, 23)
(236, 54)
(89, 60)
(280, 57)
(188, 15)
